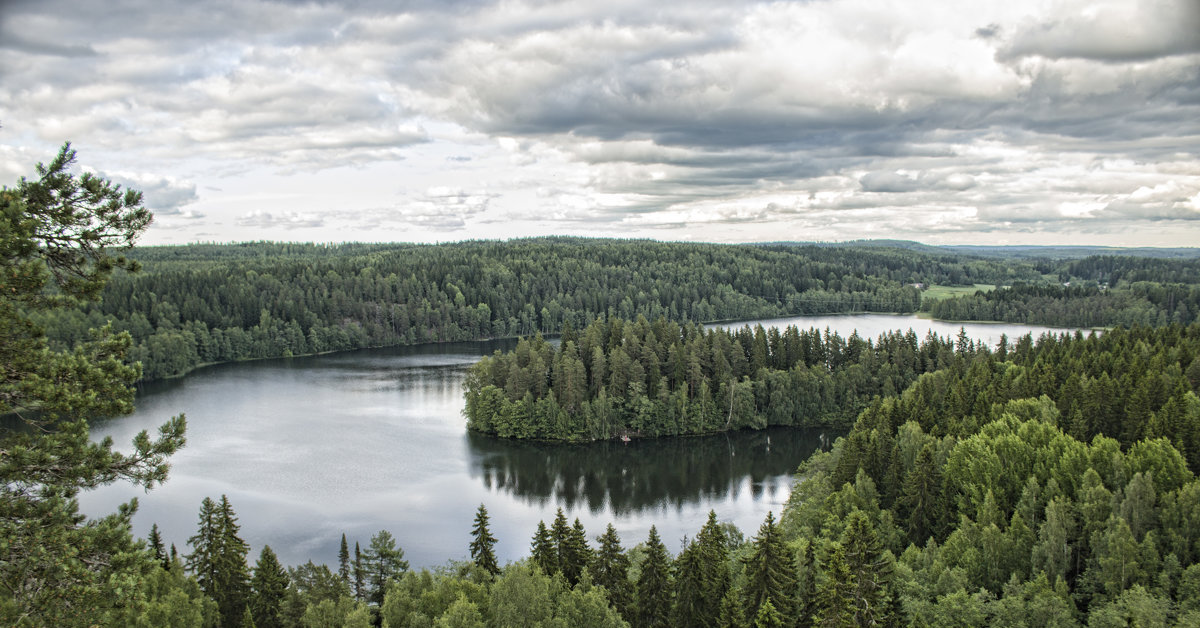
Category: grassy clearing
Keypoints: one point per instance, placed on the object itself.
(937, 293)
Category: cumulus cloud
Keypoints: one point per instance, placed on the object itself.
(164, 195)
(617, 115)
(285, 220)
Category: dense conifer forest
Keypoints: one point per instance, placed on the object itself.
(1046, 481)
(202, 304)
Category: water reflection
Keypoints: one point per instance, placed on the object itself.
(629, 478)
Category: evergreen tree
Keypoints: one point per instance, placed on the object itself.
(702, 577)
(218, 559)
(769, 571)
(921, 502)
(269, 585)
(344, 560)
(835, 596)
(871, 567)
(384, 563)
(806, 587)
(610, 569)
(654, 585)
(545, 554)
(360, 575)
(767, 616)
(59, 235)
(156, 545)
(574, 553)
(482, 543)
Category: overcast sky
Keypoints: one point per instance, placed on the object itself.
(998, 122)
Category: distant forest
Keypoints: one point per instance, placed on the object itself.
(201, 304)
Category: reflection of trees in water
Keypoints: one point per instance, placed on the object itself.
(642, 474)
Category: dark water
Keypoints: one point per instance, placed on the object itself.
(309, 448)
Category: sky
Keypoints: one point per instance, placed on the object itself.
(947, 122)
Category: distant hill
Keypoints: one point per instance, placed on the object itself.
(1010, 252)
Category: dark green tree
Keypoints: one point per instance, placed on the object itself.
(59, 239)
(482, 543)
(654, 585)
(360, 575)
(156, 545)
(835, 595)
(269, 587)
(218, 559)
(871, 567)
(610, 569)
(574, 553)
(770, 572)
(545, 554)
(344, 560)
(921, 502)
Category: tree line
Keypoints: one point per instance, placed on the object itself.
(200, 304)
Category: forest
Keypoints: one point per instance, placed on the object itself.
(204, 304)
(1046, 481)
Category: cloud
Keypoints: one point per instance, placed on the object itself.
(163, 195)
(1110, 31)
(619, 115)
(282, 220)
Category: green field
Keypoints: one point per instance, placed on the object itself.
(937, 293)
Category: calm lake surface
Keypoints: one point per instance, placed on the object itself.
(309, 448)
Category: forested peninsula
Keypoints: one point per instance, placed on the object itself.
(203, 304)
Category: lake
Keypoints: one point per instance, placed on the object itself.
(308, 448)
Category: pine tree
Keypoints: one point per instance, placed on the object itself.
(482, 543)
(384, 563)
(560, 530)
(610, 570)
(59, 239)
(654, 585)
(344, 560)
(545, 555)
(269, 585)
(769, 571)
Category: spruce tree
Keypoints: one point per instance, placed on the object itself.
(269, 585)
(871, 567)
(360, 575)
(545, 555)
(156, 545)
(482, 543)
(922, 502)
(770, 572)
(574, 553)
(560, 530)
(218, 559)
(835, 596)
(767, 616)
(610, 569)
(654, 585)
(344, 560)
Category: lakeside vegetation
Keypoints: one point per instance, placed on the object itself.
(1047, 482)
